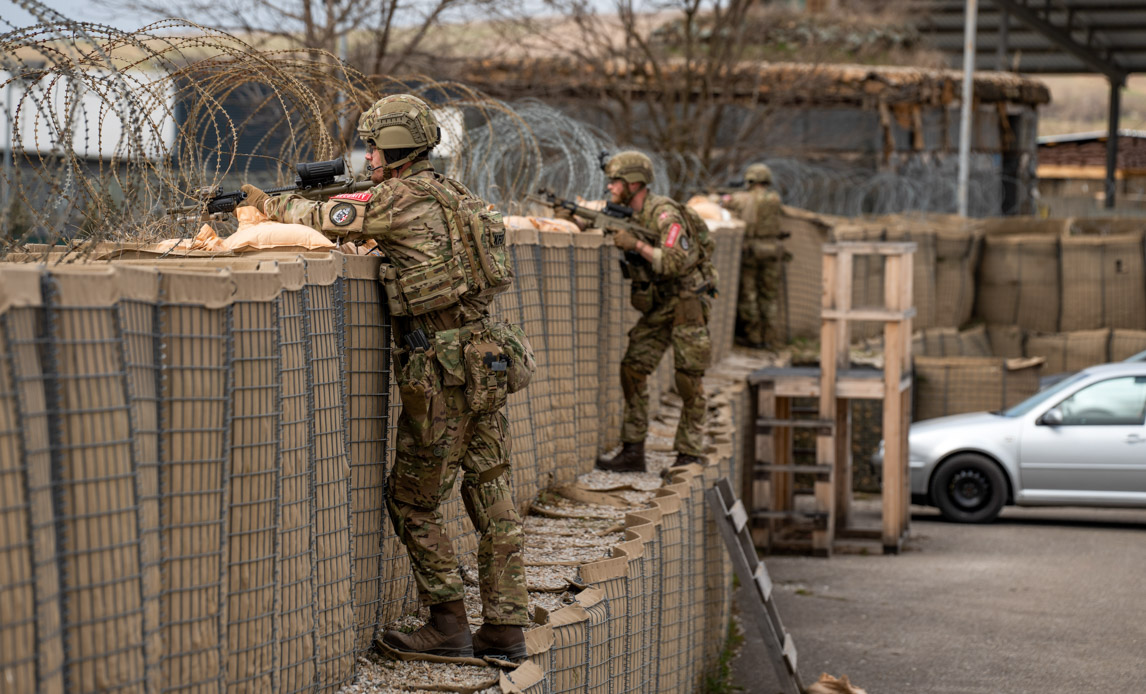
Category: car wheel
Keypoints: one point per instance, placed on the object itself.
(969, 488)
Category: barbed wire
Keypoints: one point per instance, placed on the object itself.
(105, 129)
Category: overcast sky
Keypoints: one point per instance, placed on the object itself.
(12, 15)
(82, 10)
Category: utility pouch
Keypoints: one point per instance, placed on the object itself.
(689, 311)
(516, 346)
(431, 286)
(448, 345)
(388, 276)
(420, 389)
(642, 296)
(487, 376)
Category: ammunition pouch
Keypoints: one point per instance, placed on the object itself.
(431, 286)
(516, 346)
(420, 389)
(487, 376)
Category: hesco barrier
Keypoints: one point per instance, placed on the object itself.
(1041, 275)
(193, 456)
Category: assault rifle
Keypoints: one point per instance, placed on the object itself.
(611, 219)
(316, 180)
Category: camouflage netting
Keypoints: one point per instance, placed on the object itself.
(194, 456)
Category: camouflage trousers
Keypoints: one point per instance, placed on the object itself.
(756, 308)
(683, 324)
(422, 479)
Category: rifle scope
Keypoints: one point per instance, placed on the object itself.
(313, 174)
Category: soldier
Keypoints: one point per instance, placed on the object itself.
(452, 405)
(759, 207)
(672, 292)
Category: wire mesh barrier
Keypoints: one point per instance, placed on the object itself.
(192, 484)
(644, 622)
(993, 367)
(1040, 275)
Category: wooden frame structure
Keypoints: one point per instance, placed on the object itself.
(769, 487)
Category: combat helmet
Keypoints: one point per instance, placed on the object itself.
(630, 166)
(758, 173)
(400, 121)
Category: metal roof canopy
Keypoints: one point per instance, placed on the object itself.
(1049, 36)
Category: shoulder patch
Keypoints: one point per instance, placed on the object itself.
(674, 232)
(664, 215)
(343, 214)
(360, 197)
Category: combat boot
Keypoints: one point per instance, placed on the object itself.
(688, 459)
(630, 459)
(503, 641)
(447, 633)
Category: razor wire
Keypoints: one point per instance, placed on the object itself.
(918, 184)
(106, 129)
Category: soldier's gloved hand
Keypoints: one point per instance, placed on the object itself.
(564, 213)
(255, 198)
(625, 240)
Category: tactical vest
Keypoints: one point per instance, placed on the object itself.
(477, 267)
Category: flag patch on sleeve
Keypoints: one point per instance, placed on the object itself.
(674, 232)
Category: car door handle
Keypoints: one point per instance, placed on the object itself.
(1135, 438)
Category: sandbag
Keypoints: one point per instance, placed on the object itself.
(257, 233)
(541, 224)
(708, 209)
(830, 685)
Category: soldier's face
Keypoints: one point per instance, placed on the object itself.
(617, 190)
(376, 164)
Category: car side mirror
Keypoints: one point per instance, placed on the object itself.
(1051, 418)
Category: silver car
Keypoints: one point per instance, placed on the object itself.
(1081, 442)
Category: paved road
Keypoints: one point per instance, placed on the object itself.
(1042, 601)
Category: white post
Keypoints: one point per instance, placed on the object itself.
(972, 14)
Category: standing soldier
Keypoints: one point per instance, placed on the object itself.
(671, 286)
(454, 366)
(759, 207)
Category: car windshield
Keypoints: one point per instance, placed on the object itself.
(1042, 396)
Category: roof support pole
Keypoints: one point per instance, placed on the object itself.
(1115, 105)
(968, 97)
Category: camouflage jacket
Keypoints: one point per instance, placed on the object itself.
(760, 210)
(676, 257)
(408, 225)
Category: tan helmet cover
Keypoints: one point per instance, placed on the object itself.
(400, 121)
(630, 166)
(758, 173)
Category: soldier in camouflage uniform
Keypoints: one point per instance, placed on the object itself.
(760, 265)
(438, 429)
(672, 294)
